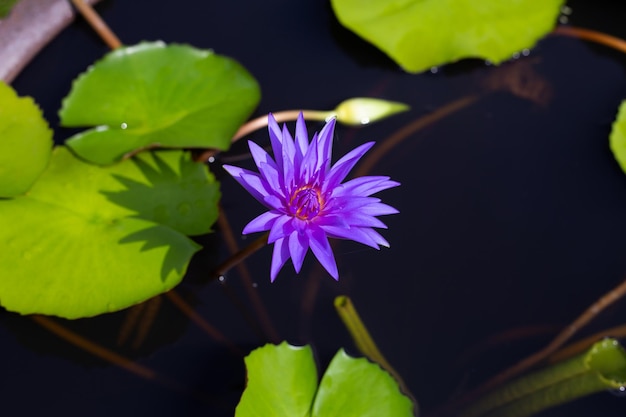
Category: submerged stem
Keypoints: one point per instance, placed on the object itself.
(593, 36)
(589, 314)
(209, 329)
(257, 304)
(618, 332)
(386, 145)
(542, 355)
(241, 255)
(94, 348)
(96, 22)
(602, 367)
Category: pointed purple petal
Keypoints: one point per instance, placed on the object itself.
(378, 209)
(309, 163)
(288, 155)
(276, 138)
(282, 227)
(325, 146)
(251, 181)
(340, 170)
(274, 202)
(279, 257)
(259, 155)
(267, 166)
(322, 251)
(261, 223)
(298, 246)
(348, 203)
(358, 219)
(376, 236)
(364, 186)
(357, 234)
(302, 136)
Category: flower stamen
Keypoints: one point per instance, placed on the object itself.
(306, 203)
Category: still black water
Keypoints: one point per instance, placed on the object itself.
(512, 215)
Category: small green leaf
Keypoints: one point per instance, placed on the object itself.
(87, 240)
(282, 382)
(157, 95)
(354, 387)
(6, 6)
(420, 34)
(25, 142)
(617, 138)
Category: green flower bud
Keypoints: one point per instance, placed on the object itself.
(363, 110)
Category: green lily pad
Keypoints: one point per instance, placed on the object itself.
(88, 240)
(168, 188)
(617, 138)
(25, 142)
(282, 382)
(157, 95)
(421, 34)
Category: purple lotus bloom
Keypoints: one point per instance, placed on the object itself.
(306, 199)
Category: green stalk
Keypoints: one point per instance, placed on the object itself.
(601, 368)
(364, 342)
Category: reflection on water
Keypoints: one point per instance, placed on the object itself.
(511, 219)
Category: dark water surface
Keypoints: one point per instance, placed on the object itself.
(512, 215)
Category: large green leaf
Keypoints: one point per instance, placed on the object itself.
(157, 95)
(86, 240)
(25, 142)
(282, 382)
(617, 138)
(420, 34)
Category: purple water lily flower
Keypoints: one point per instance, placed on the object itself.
(306, 199)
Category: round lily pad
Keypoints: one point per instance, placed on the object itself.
(282, 382)
(157, 95)
(87, 240)
(421, 34)
(25, 142)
